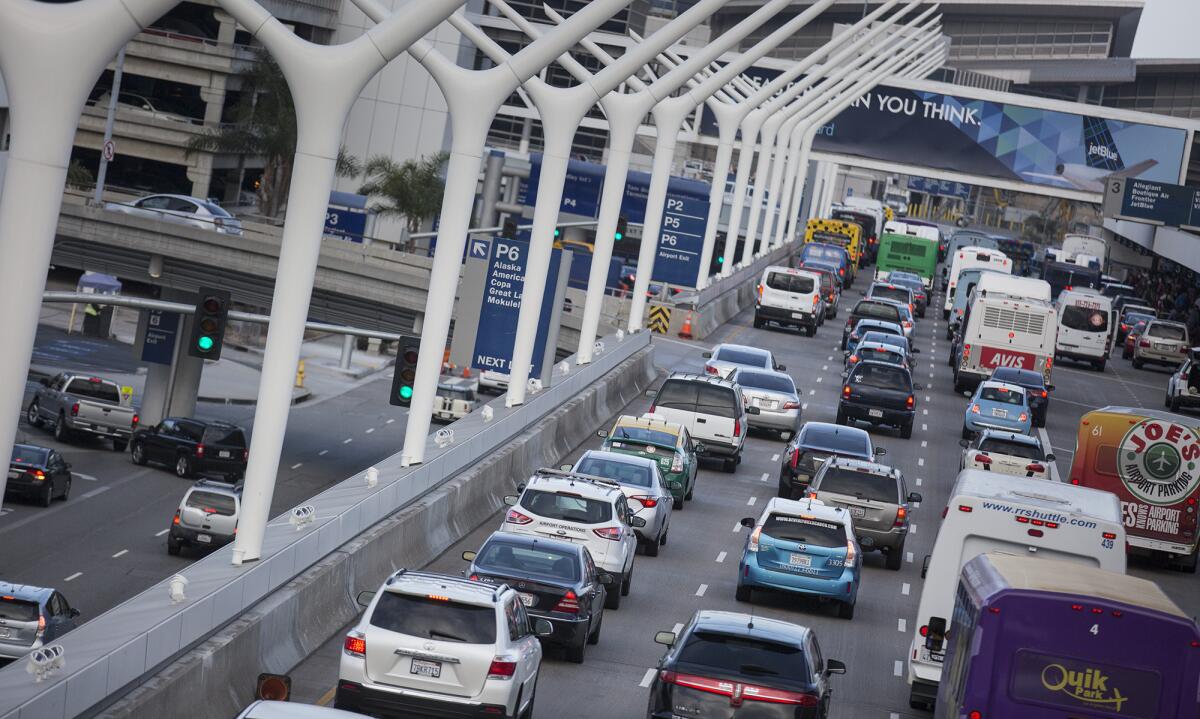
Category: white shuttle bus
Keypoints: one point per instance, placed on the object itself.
(1015, 515)
(1000, 330)
(967, 257)
(1086, 324)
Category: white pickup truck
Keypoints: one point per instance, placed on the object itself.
(81, 404)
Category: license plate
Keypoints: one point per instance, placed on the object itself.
(874, 413)
(797, 315)
(223, 454)
(858, 512)
(423, 668)
(938, 656)
(999, 412)
(1161, 346)
(203, 538)
(527, 599)
(800, 560)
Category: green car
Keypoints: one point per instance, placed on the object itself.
(669, 443)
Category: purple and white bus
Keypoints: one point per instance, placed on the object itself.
(1042, 639)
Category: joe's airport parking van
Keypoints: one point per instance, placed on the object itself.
(1151, 461)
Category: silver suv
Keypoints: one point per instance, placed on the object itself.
(876, 497)
(438, 645)
(207, 516)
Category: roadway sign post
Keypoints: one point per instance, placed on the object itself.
(681, 240)
(1153, 203)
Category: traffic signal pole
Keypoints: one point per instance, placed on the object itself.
(50, 56)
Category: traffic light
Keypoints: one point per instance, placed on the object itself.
(510, 230)
(557, 232)
(208, 324)
(622, 227)
(408, 349)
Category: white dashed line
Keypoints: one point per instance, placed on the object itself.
(701, 590)
(721, 557)
(919, 481)
(76, 575)
(647, 678)
(737, 527)
(908, 557)
(677, 628)
(912, 529)
(901, 625)
(825, 367)
(804, 406)
(752, 501)
(927, 398)
(159, 534)
(905, 588)
(812, 392)
(347, 440)
(322, 453)
(898, 668)
(84, 477)
(370, 430)
(297, 465)
(924, 442)
(774, 458)
(829, 358)
(120, 553)
(920, 461)
(766, 475)
(924, 411)
(820, 378)
(924, 427)
(893, 715)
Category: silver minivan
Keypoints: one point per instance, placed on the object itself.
(31, 617)
(711, 408)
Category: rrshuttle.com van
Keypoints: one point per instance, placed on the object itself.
(994, 513)
(1086, 326)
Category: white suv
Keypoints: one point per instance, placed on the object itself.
(586, 510)
(790, 297)
(439, 645)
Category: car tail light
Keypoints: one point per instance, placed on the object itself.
(851, 552)
(135, 420)
(907, 325)
(1124, 327)
(1045, 394)
(75, 410)
(176, 520)
(647, 502)
(965, 508)
(794, 457)
(975, 714)
(612, 533)
(1109, 535)
(569, 603)
(515, 517)
(41, 625)
(974, 408)
(502, 669)
(760, 292)
(755, 536)
(853, 359)
(652, 409)
(38, 475)
(846, 391)
(983, 459)
(737, 427)
(901, 515)
(791, 405)
(1024, 416)
(841, 270)
(910, 402)
(737, 692)
(1141, 343)
(200, 450)
(355, 645)
(709, 369)
(924, 630)
(677, 464)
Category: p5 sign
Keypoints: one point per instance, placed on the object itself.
(992, 357)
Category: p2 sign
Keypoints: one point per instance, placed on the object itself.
(681, 240)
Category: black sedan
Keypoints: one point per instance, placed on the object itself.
(556, 581)
(725, 664)
(38, 473)
(879, 393)
(815, 442)
(192, 446)
(1036, 390)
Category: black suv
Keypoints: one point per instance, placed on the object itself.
(769, 668)
(1036, 389)
(193, 447)
(871, 310)
(879, 393)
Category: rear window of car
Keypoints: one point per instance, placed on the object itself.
(231, 436)
(1084, 319)
(212, 503)
(88, 389)
(769, 382)
(882, 377)
(914, 286)
(624, 472)
(748, 657)
(844, 442)
(742, 357)
(879, 354)
(504, 558)
(18, 610)
(1016, 449)
(816, 532)
(216, 210)
(1133, 318)
(863, 485)
(1166, 332)
(861, 329)
(1023, 377)
(641, 435)
(29, 455)
(567, 507)
(717, 401)
(677, 394)
(885, 338)
(1002, 395)
(440, 619)
(878, 310)
(900, 294)
(785, 282)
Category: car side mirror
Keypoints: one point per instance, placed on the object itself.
(925, 566)
(543, 627)
(605, 579)
(747, 522)
(651, 393)
(665, 638)
(753, 410)
(469, 556)
(602, 433)
(833, 666)
(918, 385)
(914, 496)
(964, 443)
(1050, 458)
(510, 499)
(967, 395)
(707, 355)
(74, 612)
(638, 522)
(780, 368)
(880, 451)
(364, 598)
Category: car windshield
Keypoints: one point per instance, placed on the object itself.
(641, 435)
(863, 485)
(567, 507)
(882, 377)
(768, 382)
(28, 455)
(1015, 449)
(1003, 395)
(226, 436)
(878, 310)
(747, 656)
(1167, 332)
(212, 503)
(787, 282)
(505, 558)
(734, 355)
(804, 530)
(94, 389)
(900, 294)
(1134, 318)
(1085, 319)
(842, 441)
(437, 618)
(638, 475)
(1022, 377)
(18, 610)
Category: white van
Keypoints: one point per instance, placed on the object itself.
(1086, 327)
(972, 256)
(1016, 515)
(790, 297)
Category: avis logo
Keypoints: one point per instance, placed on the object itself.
(1104, 151)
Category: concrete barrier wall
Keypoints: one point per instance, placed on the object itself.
(216, 679)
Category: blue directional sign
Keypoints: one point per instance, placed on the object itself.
(681, 240)
(478, 248)
(162, 328)
(944, 188)
(345, 223)
(581, 191)
(1155, 203)
(505, 282)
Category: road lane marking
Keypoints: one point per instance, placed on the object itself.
(74, 576)
(322, 453)
(752, 501)
(924, 442)
(901, 625)
(297, 465)
(120, 553)
(825, 367)
(905, 588)
(84, 477)
(918, 481)
(703, 588)
(829, 358)
(912, 528)
(927, 399)
(737, 527)
(390, 421)
(647, 678)
(908, 557)
(812, 392)
(677, 628)
(804, 406)
(920, 461)
(159, 534)
(924, 411)
(766, 475)
(898, 668)
(721, 557)
(924, 427)
(327, 696)
(370, 430)
(347, 440)
(774, 458)
(820, 378)
(94, 492)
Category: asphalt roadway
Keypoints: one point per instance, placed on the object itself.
(697, 569)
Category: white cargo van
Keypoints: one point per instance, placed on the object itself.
(1016, 515)
(1086, 327)
(972, 256)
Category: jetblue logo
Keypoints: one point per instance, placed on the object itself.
(1103, 151)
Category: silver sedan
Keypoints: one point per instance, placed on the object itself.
(725, 358)
(776, 397)
(644, 488)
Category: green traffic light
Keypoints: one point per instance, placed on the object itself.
(406, 392)
(205, 343)
(619, 236)
(720, 260)
(557, 232)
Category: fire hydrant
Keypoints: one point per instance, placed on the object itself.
(300, 374)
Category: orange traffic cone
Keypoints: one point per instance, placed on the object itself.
(686, 331)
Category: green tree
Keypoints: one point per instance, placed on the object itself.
(412, 189)
(79, 177)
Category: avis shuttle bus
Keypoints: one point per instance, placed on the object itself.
(1043, 639)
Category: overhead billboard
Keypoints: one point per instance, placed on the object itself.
(1002, 140)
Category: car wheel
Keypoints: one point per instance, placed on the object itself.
(594, 635)
(119, 445)
(742, 593)
(1137, 363)
(612, 599)
(575, 653)
(846, 610)
(1040, 421)
(651, 547)
(33, 415)
(1174, 404)
(528, 713)
(627, 582)
(138, 453)
(61, 433)
(691, 490)
(1186, 564)
(729, 465)
(66, 490)
(173, 546)
(812, 331)
(1100, 364)
(906, 431)
(894, 558)
(183, 466)
(47, 495)
(677, 504)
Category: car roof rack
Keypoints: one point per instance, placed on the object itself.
(235, 485)
(577, 477)
(448, 578)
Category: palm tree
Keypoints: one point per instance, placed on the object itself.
(412, 189)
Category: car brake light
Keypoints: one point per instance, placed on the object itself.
(569, 603)
(38, 475)
(1024, 416)
(752, 545)
(647, 502)
(910, 402)
(965, 508)
(502, 669)
(853, 359)
(924, 630)
(975, 714)
(677, 464)
(1141, 343)
(794, 457)
(355, 645)
(846, 391)
(135, 420)
(983, 459)
(652, 409)
(515, 517)
(41, 624)
(200, 450)
(791, 405)
(738, 693)
(612, 533)
(176, 520)
(1045, 394)
(737, 427)
(851, 552)
(760, 292)
(709, 369)
(901, 515)
(1109, 535)
(75, 410)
